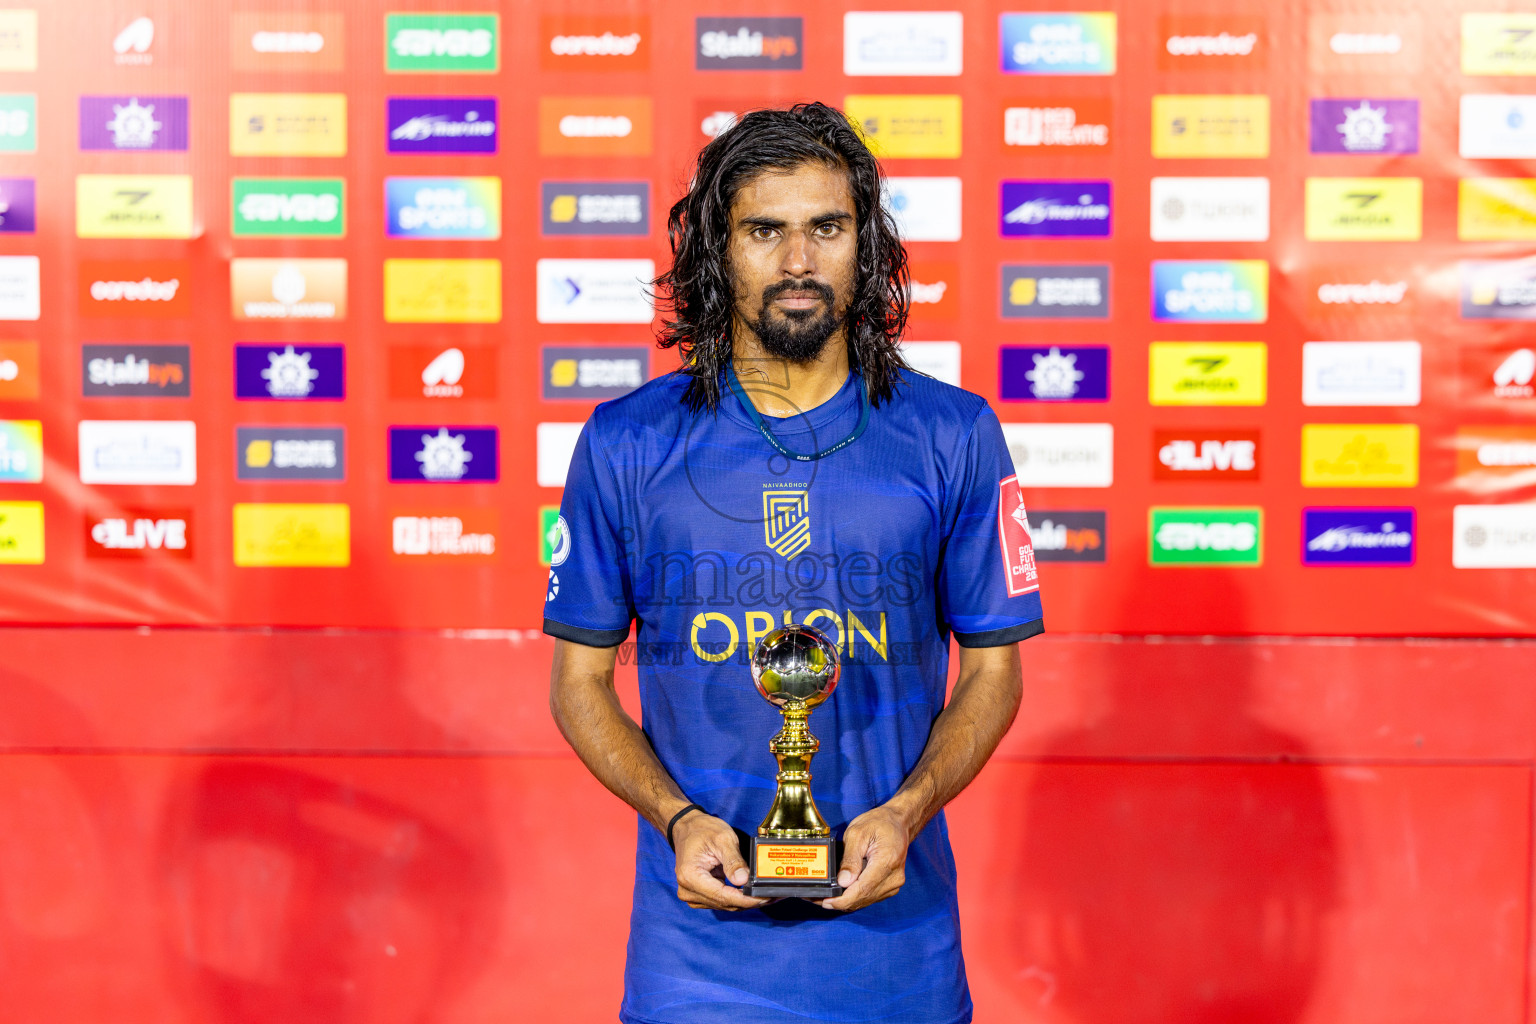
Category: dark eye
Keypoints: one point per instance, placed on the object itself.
(762, 233)
(827, 230)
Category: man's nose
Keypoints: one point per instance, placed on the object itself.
(799, 255)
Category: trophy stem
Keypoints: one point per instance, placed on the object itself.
(794, 814)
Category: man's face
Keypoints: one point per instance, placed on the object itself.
(793, 257)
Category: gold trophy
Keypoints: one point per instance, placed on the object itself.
(793, 854)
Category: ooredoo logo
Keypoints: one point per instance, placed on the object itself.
(135, 288)
(1338, 291)
(611, 42)
(934, 291)
(1211, 42)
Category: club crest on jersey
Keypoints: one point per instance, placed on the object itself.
(1019, 572)
(787, 521)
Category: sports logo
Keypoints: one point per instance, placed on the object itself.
(19, 376)
(1494, 537)
(133, 123)
(442, 371)
(133, 206)
(20, 288)
(556, 443)
(290, 453)
(554, 536)
(922, 127)
(1498, 126)
(1210, 209)
(1493, 458)
(443, 455)
(1498, 289)
(594, 291)
(1208, 372)
(287, 124)
(18, 206)
(137, 371)
(933, 290)
(292, 535)
(441, 124)
(1496, 209)
(595, 42)
(132, 43)
(1381, 373)
(18, 122)
(1498, 44)
(21, 451)
(1055, 373)
(938, 359)
(18, 40)
(1364, 44)
(1058, 44)
(1359, 455)
(1212, 454)
(450, 208)
(1060, 536)
(904, 43)
(1019, 573)
(289, 208)
(464, 535)
(1365, 126)
(1346, 290)
(1056, 209)
(459, 43)
(617, 208)
(133, 288)
(1035, 291)
(1364, 209)
(1062, 454)
(288, 289)
(21, 532)
(1058, 125)
(925, 209)
(595, 126)
(442, 291)
(139, 533)
(748, 44)
(787, 521)
(1206, 536)
(287, 41)
(592, 372)
(1358, 536)
(1498, 374)
(1214, 42)
(289, 372)
(1210, 126)
(1210, 291)
(138, 452)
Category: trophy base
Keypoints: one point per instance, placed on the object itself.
(802, 868)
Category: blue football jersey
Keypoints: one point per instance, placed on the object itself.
(689, 525)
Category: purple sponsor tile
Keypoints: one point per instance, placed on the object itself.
(442, 124)
(18, 206)
(1365, 126)
(291, 372)
(1055, 209)
(133, 123)
(443, 455)
(1358, 536)
(1053, 373)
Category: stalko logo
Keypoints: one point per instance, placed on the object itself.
(748, 43)
(139, 534)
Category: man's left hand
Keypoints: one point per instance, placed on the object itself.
(874, 859)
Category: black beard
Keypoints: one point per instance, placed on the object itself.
(797, 335)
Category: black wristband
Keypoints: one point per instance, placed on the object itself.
(679, 817)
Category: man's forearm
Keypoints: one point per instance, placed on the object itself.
(964, 735)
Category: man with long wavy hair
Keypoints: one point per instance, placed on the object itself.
(793, 469)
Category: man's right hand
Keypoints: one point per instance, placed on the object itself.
(709, 865)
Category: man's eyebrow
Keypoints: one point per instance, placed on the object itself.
(776, 222)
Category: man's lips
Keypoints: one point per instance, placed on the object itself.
(804, 300)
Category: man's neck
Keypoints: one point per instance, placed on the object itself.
(778, 387)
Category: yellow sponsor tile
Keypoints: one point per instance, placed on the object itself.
(1364, 209)
(1359, 455)
(1498, 44)
(918, 127)
(1496, 209)
(1210, 126)
(287, 124)
(293, 535)
(21, 532)
(18, 41)
(1208, 372)
(134, 206)
(442, 291)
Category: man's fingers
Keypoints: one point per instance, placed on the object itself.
(855, 850)
(726, 848)
(870, 885)
(709, 890)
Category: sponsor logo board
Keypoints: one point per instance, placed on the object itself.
(460, 535)
(456, 43)
(136, 371)
(139, 533)
(446, 208)
(594, 291)
(18, 206)
(595, 125)
(748, 44)
(934, 290)
(592, 373)
(287, 124)
(287, 41)
(1206, 536)
(288, 289)
(1202, 127)
(1210, 209)
(134, 124)
(431, 291)
(1062, 454)
(21, 532)
(306, 371)
(1496, 209)
(1210, 291)
(1364, 126)
(1347, 290)
(291, 535)
(442, 371)
(595, 42)
(1069, 535)
(133, 43)
(1364, 209)
(1359, 455)
(903, 43)
(18, 122)
(1498, 374)
(134, 288)
(138, 452)
(1494, 536)
(19, 371)
(1498, 289)
(1058, 44)
(441, 124)
(1497, 126)
(1056, 209)
(1364, 44)
(21, 451)
(288, 208)
(1053, 373)
(902, 127)
(938, 359)
(134, 206)
(1208, 372)
(596, 208)
(1380, 373)
(290, 453)
(20, 288)
(1209, 454)
(1358, 536)
(1035, 291)
(925, 209)
(443, 455)
(18, 40)
(555, 444)
(1495, 457)
(1498, 44)
(1059, 125)
(1211, 42)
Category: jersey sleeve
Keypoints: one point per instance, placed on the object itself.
(989, 588)
(589, 600)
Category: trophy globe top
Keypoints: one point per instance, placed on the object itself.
(795, 664)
